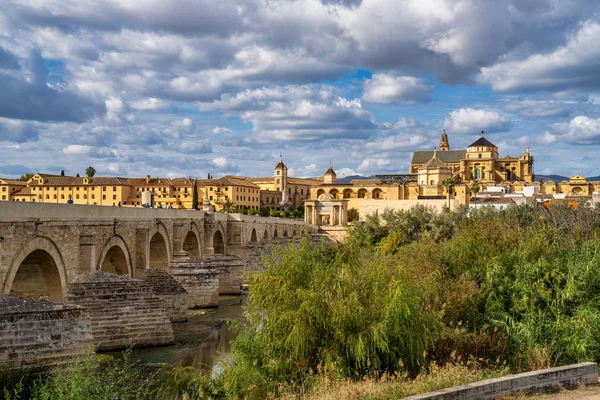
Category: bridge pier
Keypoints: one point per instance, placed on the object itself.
(200, 282)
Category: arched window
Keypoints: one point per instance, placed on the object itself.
(48, 197)
(479, 156)
(76, 197)
(85, 196)
(54, 197)
(93, 197)
(62, 196)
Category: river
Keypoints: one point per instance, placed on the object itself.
(200, 341)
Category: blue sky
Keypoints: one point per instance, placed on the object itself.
(191, 87)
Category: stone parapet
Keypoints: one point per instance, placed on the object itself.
(39, 333)
(125, 312)
(535, 381)
(231, 271)
(172, 294)
(201, 282)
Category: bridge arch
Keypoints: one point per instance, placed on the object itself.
(41, 259)
(266, 235)
(218, 243)
(160, 248)
(115, 257)
(192, 243)
(253, 236)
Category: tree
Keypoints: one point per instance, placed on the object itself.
(227, 205)
(26, 177)
(78, 175)
(62, 172)
(449, 185)
(195, 197)
(209, 176)
(475, 188)
(90, 171)
(353, 215)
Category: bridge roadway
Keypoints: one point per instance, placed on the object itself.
(43, 247)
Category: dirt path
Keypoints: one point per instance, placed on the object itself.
(582, 393)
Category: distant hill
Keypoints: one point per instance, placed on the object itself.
(553, 178)
(594, 178)
(350, 178)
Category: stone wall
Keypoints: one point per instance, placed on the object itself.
(231, 271)
(201, 282)
(535, 381)
(170, 292)
(125, 312)
(38, 332)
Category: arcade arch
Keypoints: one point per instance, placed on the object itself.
(218, 243)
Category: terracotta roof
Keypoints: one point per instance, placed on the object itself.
(228, 180)
(25, 191)
(142, 181)
(14, 182)
(449, 156)
(435, 162)
(330, 171)
(305, 181)
(58, 180)
(482, 142)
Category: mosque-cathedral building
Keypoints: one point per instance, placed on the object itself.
(479, 163)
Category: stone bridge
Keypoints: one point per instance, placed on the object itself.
(45, 247)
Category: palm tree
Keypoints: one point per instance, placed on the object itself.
(449, 185)
(227, 205)
(475, 188)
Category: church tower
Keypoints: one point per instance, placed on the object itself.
(444, 145)
(330, 177)
(280, 177)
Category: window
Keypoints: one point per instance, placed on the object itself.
(479, 156)
(3, 197)
(104, 188)
(278, 173)
(103, 197)
(77, 188)
(93, 196)
(211, 197)
(3, 188)
(62, 196)
(54, 197)
(114, 188)
(301, 191)
(277, 181)
(76, 197)
(62, 188)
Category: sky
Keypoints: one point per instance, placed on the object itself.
(184, 88)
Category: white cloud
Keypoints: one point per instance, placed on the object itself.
(533, 109)
(344, 172)
(386, 88)
(472, 121)
(548, 138)
(307, 171)
(220, 162)
(575, 64)
(149, 104)
(581, 130)
(220, 130)
(76, 149)
(374, 165)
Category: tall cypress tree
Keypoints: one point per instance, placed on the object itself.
(195, 197)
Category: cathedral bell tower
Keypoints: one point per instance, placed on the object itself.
(281, 182)
(444, 145)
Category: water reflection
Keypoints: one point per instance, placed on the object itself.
(201, 341)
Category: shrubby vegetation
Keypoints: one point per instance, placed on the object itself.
(413, 301)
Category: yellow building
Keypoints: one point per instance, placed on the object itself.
(243, 193)
(9, 186)
(282, 188)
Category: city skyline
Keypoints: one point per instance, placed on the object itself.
(192, 87)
